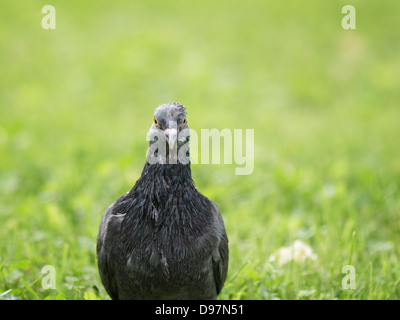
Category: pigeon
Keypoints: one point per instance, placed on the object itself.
(163, 239)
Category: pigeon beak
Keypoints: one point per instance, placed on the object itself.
(171, 135)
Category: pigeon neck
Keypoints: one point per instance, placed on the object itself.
(164, 188)
(167, 175)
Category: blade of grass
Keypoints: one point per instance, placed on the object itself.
(29, 288)
(242, 268)
(351, 247)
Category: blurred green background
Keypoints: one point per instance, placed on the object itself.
(76, 104)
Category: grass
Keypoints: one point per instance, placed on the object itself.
(76, 104)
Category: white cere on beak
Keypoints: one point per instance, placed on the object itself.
(171, 135)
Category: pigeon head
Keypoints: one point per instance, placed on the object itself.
(169, 129)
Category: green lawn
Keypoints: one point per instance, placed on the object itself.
(76, 104)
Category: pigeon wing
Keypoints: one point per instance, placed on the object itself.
(110, 227)
(221, 255)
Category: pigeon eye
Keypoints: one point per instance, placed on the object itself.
(183, 123)
(156, 122)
